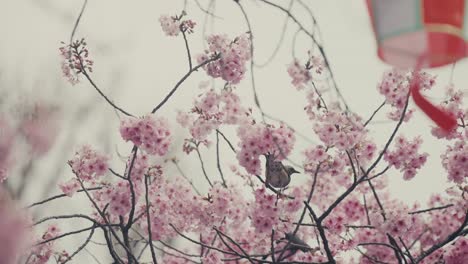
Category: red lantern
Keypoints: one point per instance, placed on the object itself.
(421, 33)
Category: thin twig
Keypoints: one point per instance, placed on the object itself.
(77, 21)
(218, 161)
(148, 220)
(374, 113)
(408, 253)
(203, 167)
(85, 73)
(61, 196)
(227, 141)
(444, 242)
(81, 247)
(382, 211)
(176, 163)
(188, 49)
(431, 209)
(169, 95)
(279, 43)
(328, 252)
(376, 162)
(319, 46)
(101, 213)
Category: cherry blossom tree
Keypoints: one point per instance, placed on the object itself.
(342, 213)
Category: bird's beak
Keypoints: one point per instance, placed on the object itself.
(295, 171)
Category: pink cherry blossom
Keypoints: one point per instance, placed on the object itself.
(455, 161)
(210, 111)
(173, 25)
(457, 252)
(6, 147)
(405, 156)
(170, 25)
(43, 252)
(300, 73)
(339, 129)
(150, 133)
(70, 187)
(213, 257)
(88, 164)
(453, 105)
(41, 129)
(13, 230)
(75, 60)
(234, 55)
(395, 87)
(260, 139)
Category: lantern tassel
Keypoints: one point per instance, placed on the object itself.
(442, 118)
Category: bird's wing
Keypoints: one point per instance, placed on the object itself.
(297, 243)
(276, 174)
(267, 169)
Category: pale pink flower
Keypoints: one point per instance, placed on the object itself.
(455, 161)
(40, 129)
(75, 60)
(261, 139)
(234, 55)
(70, 187)
(6, 147)
(405, 156)
(170, 25)
(149, 133)
(88, 164)
(299, 73)
(13, 230)
(395, 87)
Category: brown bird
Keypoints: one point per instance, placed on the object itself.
(296, 243)
(278, 175)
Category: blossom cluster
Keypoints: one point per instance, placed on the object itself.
(339, 129)
(455, 161)
(75, 60)
(149, 133)
(234, 55)
(88, 164)
(37, 127)
(6, 145)
(173, 25)
(457, 252)
(317, 157)
(454, 105)
(258, 139)
(13, 230)
(395, 86)
(443, 222)
(300, 73)
(211, 110)
(350, 212)
(174, 198)
(44, 250)
(40, 129)
(405, 156)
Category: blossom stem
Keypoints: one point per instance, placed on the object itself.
(169, 95)
(188, 50)
(148, 220)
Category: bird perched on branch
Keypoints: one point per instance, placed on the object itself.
(277, 175)
(296, 243)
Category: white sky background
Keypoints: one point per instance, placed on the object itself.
(136, 65)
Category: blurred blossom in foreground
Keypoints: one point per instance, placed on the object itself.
(41, 129)
(6, 145)
(13, 230)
